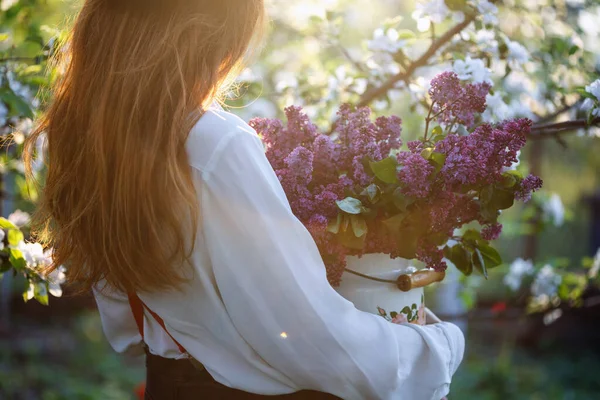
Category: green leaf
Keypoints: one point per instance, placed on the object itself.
(350, 205)
(508, 180)
(372, 192)
(459, 256)
(394, 223)
(502, 199)
(439, 238)
(405, 34)
(472, 235)
(6, 224)
(479, 263)
(405, 310)
(514, 173)
(437, 131)
(334, 226)
(15, 236)
(393, 314)
(573, 49)
(348, 239)
(486, 194)
(41, 293)
(400, 200)
(438, 160)
(426, 153)
(16, 259)
(385, 170)
(489, 213)
(17, 106)
(359, 225)
(490, 256)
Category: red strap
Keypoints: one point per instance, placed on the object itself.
(137, 307)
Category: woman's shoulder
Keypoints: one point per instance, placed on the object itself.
(211, 135)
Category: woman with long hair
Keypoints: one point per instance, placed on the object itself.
(166, 207)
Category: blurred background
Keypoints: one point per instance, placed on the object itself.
(531, 327)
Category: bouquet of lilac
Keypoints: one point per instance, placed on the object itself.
(359, 191)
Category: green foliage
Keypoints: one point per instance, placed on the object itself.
(73, 362)
(385, 170)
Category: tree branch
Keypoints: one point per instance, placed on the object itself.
(546, 131)
(374, 93)
(554, 115)
(25, 59)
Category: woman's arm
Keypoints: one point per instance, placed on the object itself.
(273, 283)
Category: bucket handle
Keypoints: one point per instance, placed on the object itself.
(411, 281)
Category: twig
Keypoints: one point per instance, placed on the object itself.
(544, 131)
(374, 93)
(350, 58)
(554, 115)
(8, 59)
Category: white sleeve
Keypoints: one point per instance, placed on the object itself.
(118, 323)
(273, 283)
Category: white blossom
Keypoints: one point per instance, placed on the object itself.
(55, 279)
(517, 53)
(34, 255)
(518, 269)
(2, 235)
(546, 282)
(434, 10)
(19, 218)
(488, 12)
(555, 210)
(486, 40)
(594, 88)
(30, 291)
(587, 104)
(386, 41)
(472, 69)
(497, 110)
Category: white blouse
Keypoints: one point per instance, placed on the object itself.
(258, 310)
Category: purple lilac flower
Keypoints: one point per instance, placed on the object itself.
(453, 102)
(491, 232)
(530, 184)
(431, 255)
(445, 88)
(414, 174)
(316, 170)
(300, 163)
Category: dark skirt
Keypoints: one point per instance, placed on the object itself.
(168, 379)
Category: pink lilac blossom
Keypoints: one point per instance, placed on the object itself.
(530, 184)
(414, 172)
(431, 255)
(316, 170)
(491, 232)
(455, 102)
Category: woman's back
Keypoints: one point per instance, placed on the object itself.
(258, 311)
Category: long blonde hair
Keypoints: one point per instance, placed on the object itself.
(118, 202)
